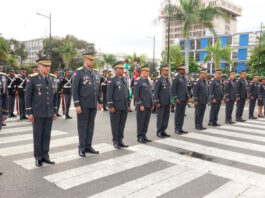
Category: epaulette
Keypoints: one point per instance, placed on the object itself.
(138, 78)
(53, 75)
(198, 79)
(33, 75)
(3, 73)
(79, 68)
(113, 76)
(95, 69)
(158, 77)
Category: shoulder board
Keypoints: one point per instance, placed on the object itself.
(113, 76)
(35, 74)
(53, 75)
(3, 73)
(138, 78)
(212, 78)
(158, 77)
(79, 68)
(198, 79)
(96, 70)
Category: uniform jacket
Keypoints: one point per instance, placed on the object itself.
(253, 89)
(143, 93)
(200, 91)
(216, 90)
(230, 90)
(241, 88)
(162, 91)
(179, 88)
(3, 94)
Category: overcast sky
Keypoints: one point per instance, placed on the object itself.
(113, 25)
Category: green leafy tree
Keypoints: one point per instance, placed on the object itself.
(109, 60)
(190, 13)
(217, 53)
(4, 47)
(67, 52)
(18, 50)
(99, 64)
(175, 56)
(193, 66)
(141, 59)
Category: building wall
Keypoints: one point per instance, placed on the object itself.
(33, 47)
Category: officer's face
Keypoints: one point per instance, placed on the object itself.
(182, 71)
(22, 73)
(165, 72)
(145, 73)
(232, 76)
(203, 75)
(263, 81)
(89, 62)
(68, 74)
(44, 69)
(243, 75)
(119, 71)
(218, 75)
(256, 79)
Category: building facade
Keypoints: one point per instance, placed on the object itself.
(222, 26)
(241, 44)
(33, 47)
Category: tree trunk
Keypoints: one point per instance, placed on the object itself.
(187, 55)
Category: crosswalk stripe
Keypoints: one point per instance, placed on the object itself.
(11, 119)
(16, 130)
(19, 138)
(236, 135)
(221, 170)
(208, 150)
(64, 156)
(228, 190)
(153, 185)
(242, 128)
(18, 123)
(75, 177)
(226, 141)
(256, 122)
(251, 125)
(253, 191)
(14, 150)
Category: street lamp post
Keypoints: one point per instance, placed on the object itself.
(50, 25)
(154, 46)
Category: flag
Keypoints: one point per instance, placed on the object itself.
(127, 74)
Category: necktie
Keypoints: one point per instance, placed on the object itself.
(46, 80)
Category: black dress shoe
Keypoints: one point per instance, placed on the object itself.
(183, 132)
(21, 118)
(68, 117)
(116, 145)
(24, 117)
(1, 173)
(92, 150)
(48, 161)
(123, 145)
(160, 135)
(216, 124)
(82, 154)
(260, 116)
(141, 140)
(38, 163)
(58, 115)
(106, 109)
(228, 122)
(166, 135)
(211, 124)
(13, 115)
(147, 140)
(178, 132)
(3, 124)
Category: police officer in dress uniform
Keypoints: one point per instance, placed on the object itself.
(180, 95)
(35, 69)
(119, 104)
(253, 96)
(41, 108)
(104, 83)
(11, 86)
(216, 97)
(200, 98)
(21, 86)
(87, 98)
(241, 96)
(3, 100)
(162, 94)
(230, 97)
(66, 84)
(261, 92)
(144, 103)
(59, 90)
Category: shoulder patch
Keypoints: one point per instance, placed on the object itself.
(53, 75)
(79, 68)
(35, 74)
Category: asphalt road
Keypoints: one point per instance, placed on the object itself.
(223, 162)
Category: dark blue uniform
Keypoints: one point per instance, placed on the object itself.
(261, 95)
(3, 97)
(66, 83)
(21, 87)
(229, 93)
(118, 98)
(41, 101)
(200, 95)
(143, 97)
(241, 92)
(253, 96)
(12, 87)
(180, 92)
(162, 96)
(216, 93)
(86, 94)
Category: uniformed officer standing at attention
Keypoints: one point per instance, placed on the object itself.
(59, 90)
(162, 94)
(216, 97)
(21, 86)
(66, 83)
(119, 104)
(144, 103)
(104, 83)
(180, 94)
(200, 98)
(11, 86)
(41, 108)
(261, 101)
(35, 69)
(253, 96)
(241, 96)
(230, 97)
(3, 100)
(87, 98)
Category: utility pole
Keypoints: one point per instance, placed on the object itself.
(260, 38)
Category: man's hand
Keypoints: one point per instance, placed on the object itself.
(99, 107)
(129, 109)
(112, 110)
(238, 98)
(31, 118)
(196, 103)
(78, 110)
(141, 108)
(4, 118)
(214, 101)
(260, 98)
(227, 99)
(178, 101)
(158, 106)
(54, 116)
(251, 98)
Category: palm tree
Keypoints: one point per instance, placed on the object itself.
(190, 13)
(4, 47)
(141, 59)
(99, 63)
(109, 59)
(67, 51)
(175, 56)
(217, 52)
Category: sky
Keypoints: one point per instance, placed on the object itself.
(117, 26)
